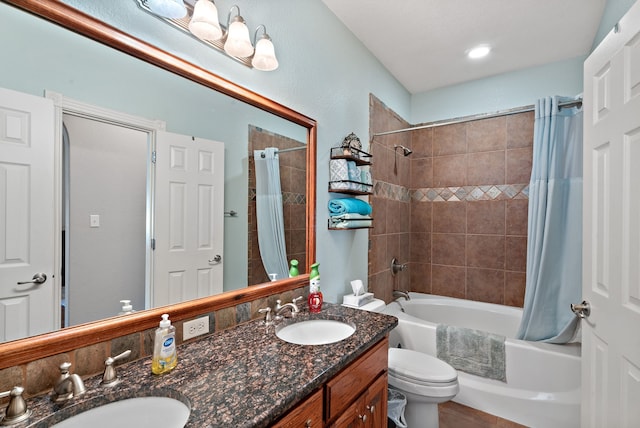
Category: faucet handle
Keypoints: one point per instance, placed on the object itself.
(110, 378)
(267, 317)
(297, 299)
(64, 368)
(17, 410)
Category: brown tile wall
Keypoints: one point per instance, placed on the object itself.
(390, 236)
(467, 212)
(293, 176)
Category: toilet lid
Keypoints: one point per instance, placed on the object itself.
(413, 365)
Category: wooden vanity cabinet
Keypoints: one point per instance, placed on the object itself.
(369, 411)
(307, 414)
(355, 397)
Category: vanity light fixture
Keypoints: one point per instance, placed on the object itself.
(238, 42)
(479, 52)
(204, 21)
(201, 21)
(168, 8)
(265, 56)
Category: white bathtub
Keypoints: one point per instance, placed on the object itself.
(543, 380)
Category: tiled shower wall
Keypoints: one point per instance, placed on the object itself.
(293, 179)
(465, 192)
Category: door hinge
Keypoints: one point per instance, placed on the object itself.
(153, 156)
(153, 243)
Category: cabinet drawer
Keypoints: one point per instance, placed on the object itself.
(306, 414)
(343, 389)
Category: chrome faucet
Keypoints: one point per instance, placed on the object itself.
(16, 410)
(110, 378)
(68, 385)
(293, 308)
(401, 293)
(397, 266)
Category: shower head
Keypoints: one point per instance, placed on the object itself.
(405, 150)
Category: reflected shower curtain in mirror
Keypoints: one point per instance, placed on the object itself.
(269, 213)
(554, 236)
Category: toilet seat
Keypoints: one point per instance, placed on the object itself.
(419, 368)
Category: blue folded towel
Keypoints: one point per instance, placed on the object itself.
(349, 205)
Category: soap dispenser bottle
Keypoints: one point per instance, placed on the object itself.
(126, 307)
(315, 295)
(293, 269)
(165, 357)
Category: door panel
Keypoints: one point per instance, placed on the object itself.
(611, 268)
(26, 216)
(189, 210)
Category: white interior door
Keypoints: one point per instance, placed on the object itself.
(611, 256)
(27, 216)
(189, 216)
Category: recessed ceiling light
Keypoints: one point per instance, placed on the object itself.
(479, 52)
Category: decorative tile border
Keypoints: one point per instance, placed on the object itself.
(288, 198)
(451, 194)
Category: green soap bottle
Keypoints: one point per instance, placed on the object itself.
(293, 269)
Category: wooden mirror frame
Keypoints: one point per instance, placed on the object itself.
(64, 340)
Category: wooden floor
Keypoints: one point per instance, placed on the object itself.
(454, 415)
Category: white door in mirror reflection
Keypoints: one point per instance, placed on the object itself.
(189, 216)
(26, 216)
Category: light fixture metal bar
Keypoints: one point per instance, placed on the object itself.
(182, 24)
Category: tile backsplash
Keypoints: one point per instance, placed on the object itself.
(38, 376)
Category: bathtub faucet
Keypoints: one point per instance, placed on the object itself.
(396, 266)
(401, 293)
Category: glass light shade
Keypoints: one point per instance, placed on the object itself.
(265, 57)
(204, 22)
(238, 43)
(167, 8)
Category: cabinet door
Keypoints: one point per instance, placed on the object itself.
(308, 414)
(375, 403)
(352, 417)
(369, 410)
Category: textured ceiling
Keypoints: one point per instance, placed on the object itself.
(423, 43)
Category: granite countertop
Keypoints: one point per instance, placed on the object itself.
(241, 377)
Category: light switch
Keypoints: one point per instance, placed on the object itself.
(94, 220)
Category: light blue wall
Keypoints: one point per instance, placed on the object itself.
(325, 73)
(501, 92)
(614, 10)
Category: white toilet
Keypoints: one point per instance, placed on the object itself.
(423, 379)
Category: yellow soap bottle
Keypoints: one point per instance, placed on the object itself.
(165, 357)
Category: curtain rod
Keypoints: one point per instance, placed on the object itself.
(515, 110)
(293, 149)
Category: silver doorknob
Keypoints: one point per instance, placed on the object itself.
(582, 310)
(38, 278)
(216, 259)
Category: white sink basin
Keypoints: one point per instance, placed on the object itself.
(315, 332)
(139, 412)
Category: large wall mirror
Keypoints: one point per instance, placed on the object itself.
(56, 48)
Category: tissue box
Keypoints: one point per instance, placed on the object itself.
(357, 301)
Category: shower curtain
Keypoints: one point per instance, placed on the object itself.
(269, 214)
(554, 246)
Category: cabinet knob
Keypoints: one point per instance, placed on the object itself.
(371, 408)
(363, 417)
(308, 423)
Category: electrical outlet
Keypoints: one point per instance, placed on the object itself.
(195, 327)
